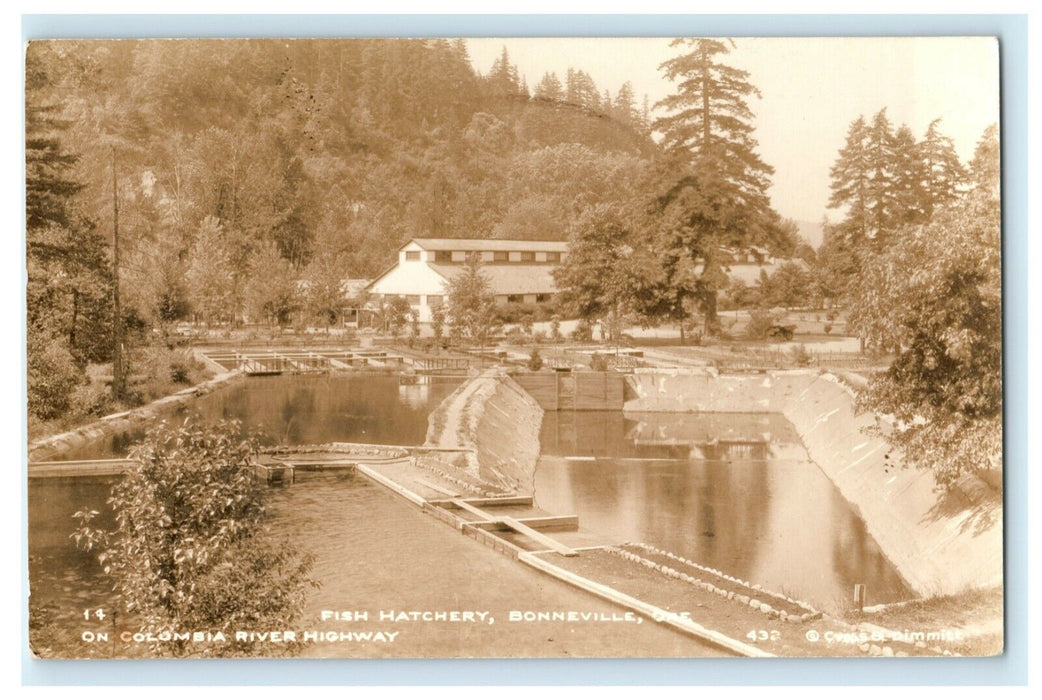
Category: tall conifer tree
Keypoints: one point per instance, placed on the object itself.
(717, 187)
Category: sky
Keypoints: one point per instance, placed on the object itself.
(811, 90)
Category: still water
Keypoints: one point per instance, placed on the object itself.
(734, 492)
(302, 410)
(287, 410)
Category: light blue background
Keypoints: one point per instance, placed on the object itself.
(1010, 668)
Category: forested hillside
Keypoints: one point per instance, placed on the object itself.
(223, 180)
(316, 158)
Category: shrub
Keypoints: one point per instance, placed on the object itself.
(760, 324)
(800, 355)
(189, 549)
(555, 328)
(51, 375)
(91, 399)
(828, 328)
(535, 360)
(583, 332)
(598, 363)
(179, 372)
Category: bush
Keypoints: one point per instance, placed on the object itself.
(190, 550)
(91, 399)
(535, 360)
(583, 332)
(599, 363)
(516, 312)
(51, 375)
(827, 328)
(178, 372)
(800, 355)
(760, 324)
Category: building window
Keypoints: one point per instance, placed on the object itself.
(528, 256)
(513, 298)
(413, 299)
(542, 298)
(443, 256)
(553, 257)
(412, 255)
(434, 300)
(499, 256)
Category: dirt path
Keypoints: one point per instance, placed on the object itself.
(452, 416)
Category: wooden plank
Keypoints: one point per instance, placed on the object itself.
(519, 527)
(87, 467)
(539, 537)
(392, 485)
(436, 487)
(549, 522)
(501, 501)
(473, 510)
(488, 502)
(647, 609)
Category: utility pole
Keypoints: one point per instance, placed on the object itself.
(117, 324)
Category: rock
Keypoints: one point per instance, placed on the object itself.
(743, 599)
(753, 603)
(765, 608)
(874, 650)
(864, 647)
(730, 595)
(901, 653)
(887, 651)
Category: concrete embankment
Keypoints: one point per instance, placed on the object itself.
(498, 423)
(940, 543)
(55, 446)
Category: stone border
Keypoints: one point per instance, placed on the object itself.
(482, 488)
(754, 603)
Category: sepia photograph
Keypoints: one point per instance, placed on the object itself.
(456, 348)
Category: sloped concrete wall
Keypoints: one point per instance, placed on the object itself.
(53, 447)
(940, 543)
(493, 416)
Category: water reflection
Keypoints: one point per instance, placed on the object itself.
(356, 408)
(735, 492)
(297, 410)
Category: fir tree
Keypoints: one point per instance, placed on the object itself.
(716, 190)
(549, 88)
(943, 174)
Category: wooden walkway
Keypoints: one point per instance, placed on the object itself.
(272, 362)
(500, 522)
(78, 468)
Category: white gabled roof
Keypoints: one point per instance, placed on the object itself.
(492, 244)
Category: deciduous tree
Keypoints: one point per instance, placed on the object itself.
(471, 303)
(190, 549)
(596, 279)
(936, 298)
